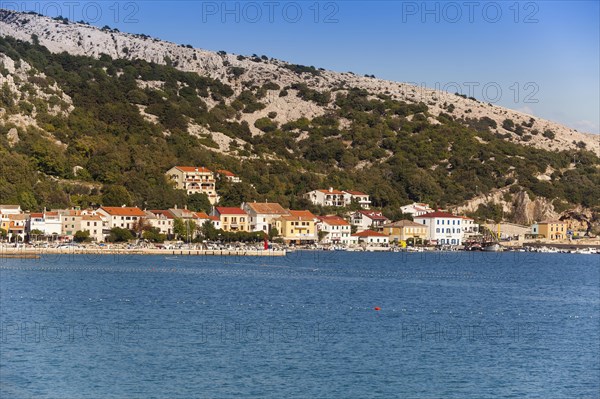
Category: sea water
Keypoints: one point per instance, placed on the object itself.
(312, 324)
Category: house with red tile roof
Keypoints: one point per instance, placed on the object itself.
(230, 176)
(297, 227)
(163, 220)
(263, 214)
(232, 218)
(337, 230)
(368, 220)
(124, 217)
(194, 180)
(328, 197)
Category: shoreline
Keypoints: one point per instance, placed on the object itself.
(29, 252)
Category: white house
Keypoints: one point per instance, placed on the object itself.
(263, 214)
(162, 220)
(338, 198)
(230, 176)
(122, 217)
(371, 237)
(442, 228)
(49, 223)
(368, 220)
(10, 209)
(338, 230)
(416, 209)
(329, 197)
(469, 227)
(362, 199)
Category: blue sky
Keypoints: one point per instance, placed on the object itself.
(543, 56)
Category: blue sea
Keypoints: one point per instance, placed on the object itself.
(310, 325)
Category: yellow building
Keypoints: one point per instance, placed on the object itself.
(232, 219)
(298, 227)
(552, 229)
(404, 230)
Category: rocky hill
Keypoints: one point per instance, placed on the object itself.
(94, 93)
(82, 39)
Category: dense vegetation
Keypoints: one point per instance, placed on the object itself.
(105, 151)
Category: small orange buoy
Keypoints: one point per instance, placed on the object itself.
(377, 308)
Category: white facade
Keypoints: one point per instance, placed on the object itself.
(416, 209)
(356, 196)
(10, 209)
(469, 228)
(338, 230)
(262, 215)
(372, 238)
(123, 217)
(367, 220)
(160, 221)
(49, 223)
(442, 228)
(338, 198)
(329, 197)
(93, 224)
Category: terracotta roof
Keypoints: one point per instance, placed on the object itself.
(225, 172)
(267, 208)
(223, 210)
(303, 213)
(439, 214)
(193, 169)
(354, 192)
(36, 215)
(201, 215)
(374, 215)
(334, 220)
(163, 212)
(368, 233)
(51, 214)
(216, 218)
(403, 223)
(332, 192)
(123, 211)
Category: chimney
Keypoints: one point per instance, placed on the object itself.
(196, 169)
(175, 206)
(330, 189)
